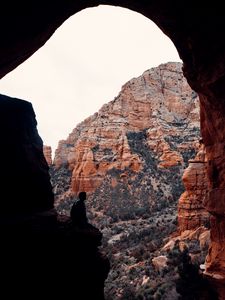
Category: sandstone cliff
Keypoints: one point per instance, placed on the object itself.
(131, 158)
(200, 47)
(130, 155)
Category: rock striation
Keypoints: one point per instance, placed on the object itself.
(132, 152)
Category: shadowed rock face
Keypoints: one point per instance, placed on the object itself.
(198, 42)
(24, 27)
(46, 255)
(33, 238)
(24, 174)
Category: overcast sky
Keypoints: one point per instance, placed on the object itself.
(84, 65)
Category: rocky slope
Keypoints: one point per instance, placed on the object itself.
(133, 151)
(130, 157)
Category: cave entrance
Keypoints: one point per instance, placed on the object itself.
(126, 225)
(92, 54)
(25, 28)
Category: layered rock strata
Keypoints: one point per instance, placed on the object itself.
(135, 148)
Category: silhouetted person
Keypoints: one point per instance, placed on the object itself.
(78, 211)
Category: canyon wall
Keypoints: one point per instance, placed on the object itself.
(130, 155)
(199, 44)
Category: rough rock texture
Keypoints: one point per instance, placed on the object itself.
(47, 150)
(22, 157)
(129, 155)
(200, 44)
(201, 234)
(39, 250)
(191, 211)
(159, 262)
(212, 124)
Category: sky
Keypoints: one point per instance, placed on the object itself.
(84, 65)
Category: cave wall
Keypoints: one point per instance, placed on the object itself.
(197, 31)
(34, 239)
(213, 132)
(24, 178)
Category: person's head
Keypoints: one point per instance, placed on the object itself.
(82, 196)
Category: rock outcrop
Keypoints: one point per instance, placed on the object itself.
(47, 150)
(199, 44)
(41, 253)
(22, 154)
(191, 211)
(133, 151)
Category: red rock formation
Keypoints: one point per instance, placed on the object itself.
(199, 43)
(212, 124)
(151, 103)
(47, 150)
(191, 211)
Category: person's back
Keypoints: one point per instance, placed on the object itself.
(78, 211)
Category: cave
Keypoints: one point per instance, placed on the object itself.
(197, 33)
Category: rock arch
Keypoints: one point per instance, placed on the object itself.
(197, 32)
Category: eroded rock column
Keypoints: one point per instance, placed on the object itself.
(191, 211)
